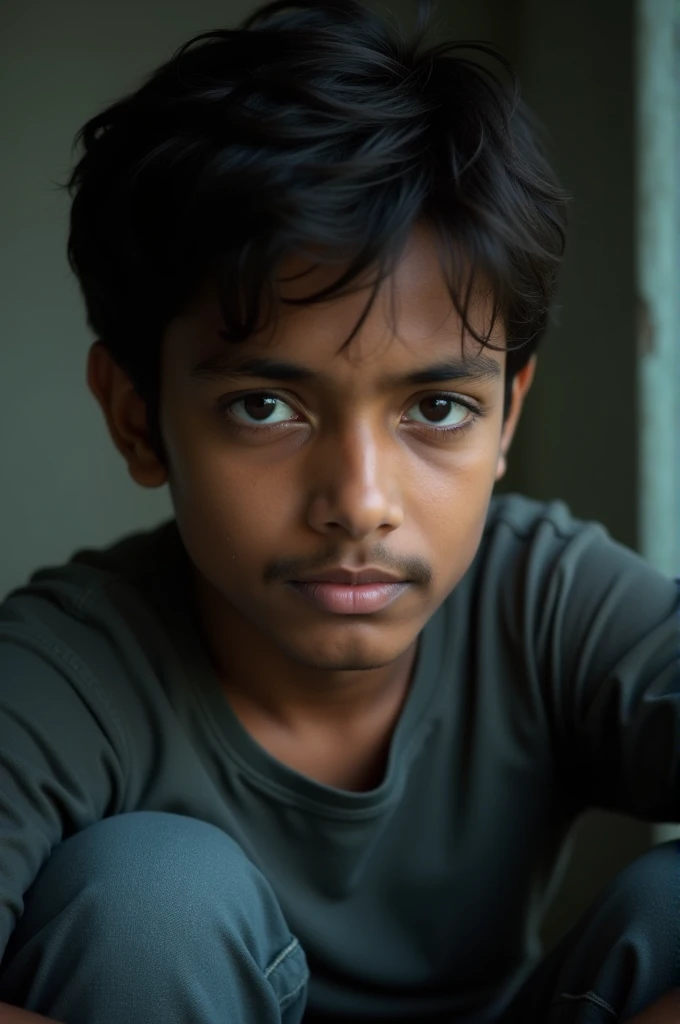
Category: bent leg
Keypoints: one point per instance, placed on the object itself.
(158, 918)
(621, 957)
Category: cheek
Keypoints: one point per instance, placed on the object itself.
(453, 521)
(225, 507)
(452, 488)
(232, 506)
(450, 512)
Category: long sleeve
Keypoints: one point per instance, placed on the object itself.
(60, 757)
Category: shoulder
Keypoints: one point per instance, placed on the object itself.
(519, 516)
(544, 558)
(89, 625)
(548, 533)
(95, 581)
(526, 540)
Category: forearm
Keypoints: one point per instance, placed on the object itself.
(14, 1015)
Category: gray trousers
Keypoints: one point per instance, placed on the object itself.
(154, 918)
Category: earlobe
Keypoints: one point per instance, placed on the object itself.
(144, 466)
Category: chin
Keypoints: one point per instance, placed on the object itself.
(347, 654)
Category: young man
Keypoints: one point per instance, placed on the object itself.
(312, 748)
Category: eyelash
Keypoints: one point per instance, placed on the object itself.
(477, 412)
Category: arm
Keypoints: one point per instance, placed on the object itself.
(60, 768)
(609, 661)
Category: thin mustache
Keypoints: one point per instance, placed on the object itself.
(413, 568)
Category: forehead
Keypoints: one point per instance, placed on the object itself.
(411, 321)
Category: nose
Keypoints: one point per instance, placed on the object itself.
(354, 485)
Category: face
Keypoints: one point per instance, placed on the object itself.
(290, 457)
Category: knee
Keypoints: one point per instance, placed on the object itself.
(147, 868)
(657, 869)
(650, 888)
(157, 912)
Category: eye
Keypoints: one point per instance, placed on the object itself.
(440, 411)
(261, 408)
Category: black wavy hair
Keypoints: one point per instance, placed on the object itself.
(314, 127)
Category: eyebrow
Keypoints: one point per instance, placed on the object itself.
(223, 366)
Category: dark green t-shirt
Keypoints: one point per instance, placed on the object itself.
(547, 682)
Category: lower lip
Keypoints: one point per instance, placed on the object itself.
(342, 599)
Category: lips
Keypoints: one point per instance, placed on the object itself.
(349, 598)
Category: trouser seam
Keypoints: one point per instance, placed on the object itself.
(286, 1000)
(588, 997)
(278, 960)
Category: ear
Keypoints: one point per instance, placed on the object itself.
(126, 416)
(520, 387)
